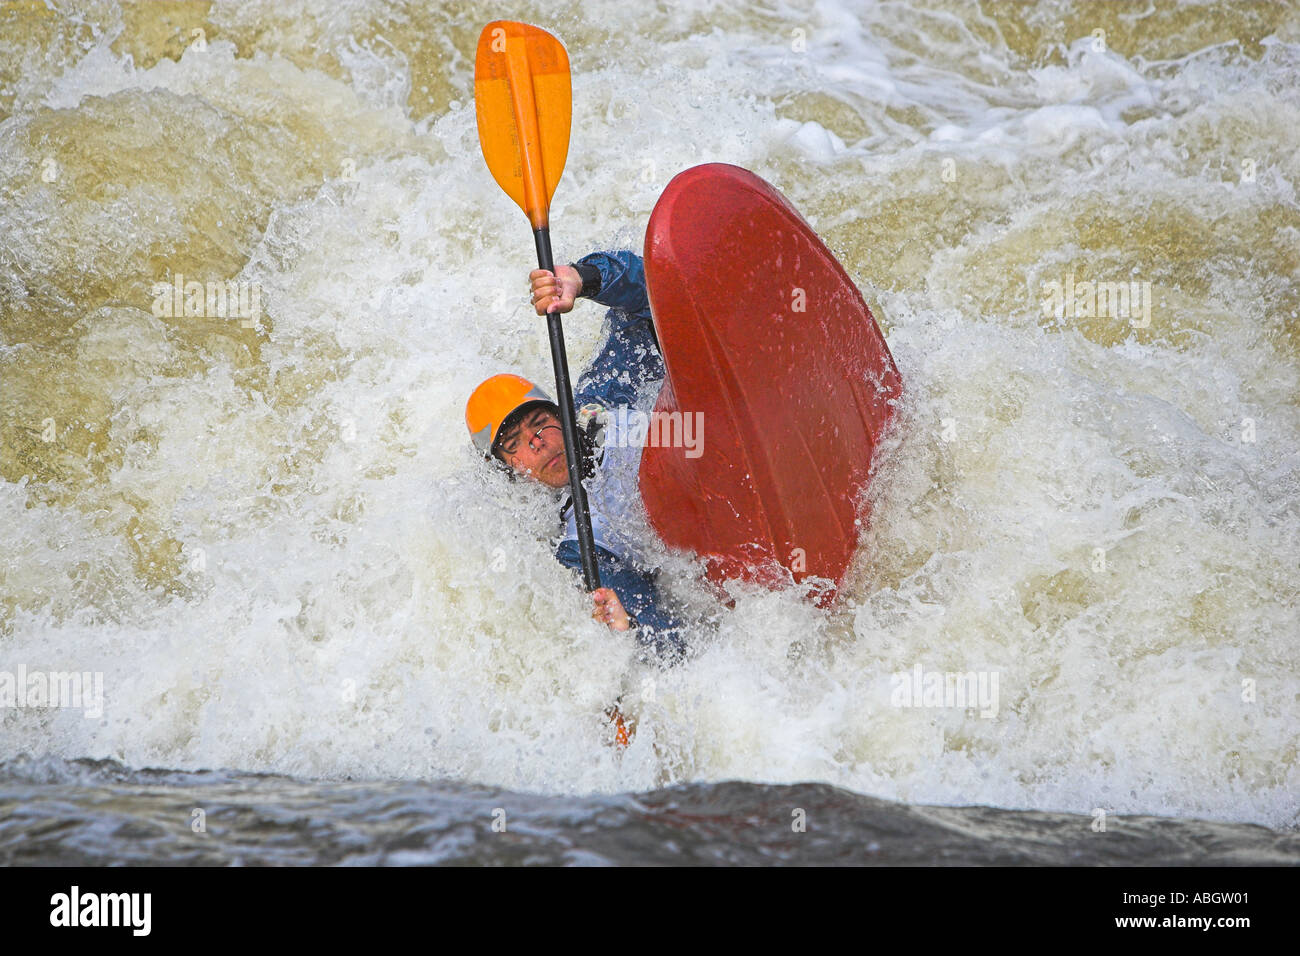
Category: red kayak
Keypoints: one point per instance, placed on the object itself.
(774, 355)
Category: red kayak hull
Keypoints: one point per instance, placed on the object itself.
(770, 347)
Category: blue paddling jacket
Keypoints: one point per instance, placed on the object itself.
(623, 380)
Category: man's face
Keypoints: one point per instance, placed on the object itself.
(534, 447)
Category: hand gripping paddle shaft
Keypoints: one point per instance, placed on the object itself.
(523, 98)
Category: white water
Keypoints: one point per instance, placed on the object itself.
(277, 545)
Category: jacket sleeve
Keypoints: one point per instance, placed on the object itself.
(657, 629)
(622, 282)
(628, 362)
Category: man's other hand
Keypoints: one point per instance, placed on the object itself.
(609, 609)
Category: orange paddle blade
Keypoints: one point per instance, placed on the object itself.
(524, 100)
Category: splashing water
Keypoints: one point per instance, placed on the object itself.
(268, 532)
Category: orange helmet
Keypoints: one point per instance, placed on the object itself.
(494, 403)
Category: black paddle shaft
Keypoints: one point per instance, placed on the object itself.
(572, 450)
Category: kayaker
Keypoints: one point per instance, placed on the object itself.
(516, 423)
